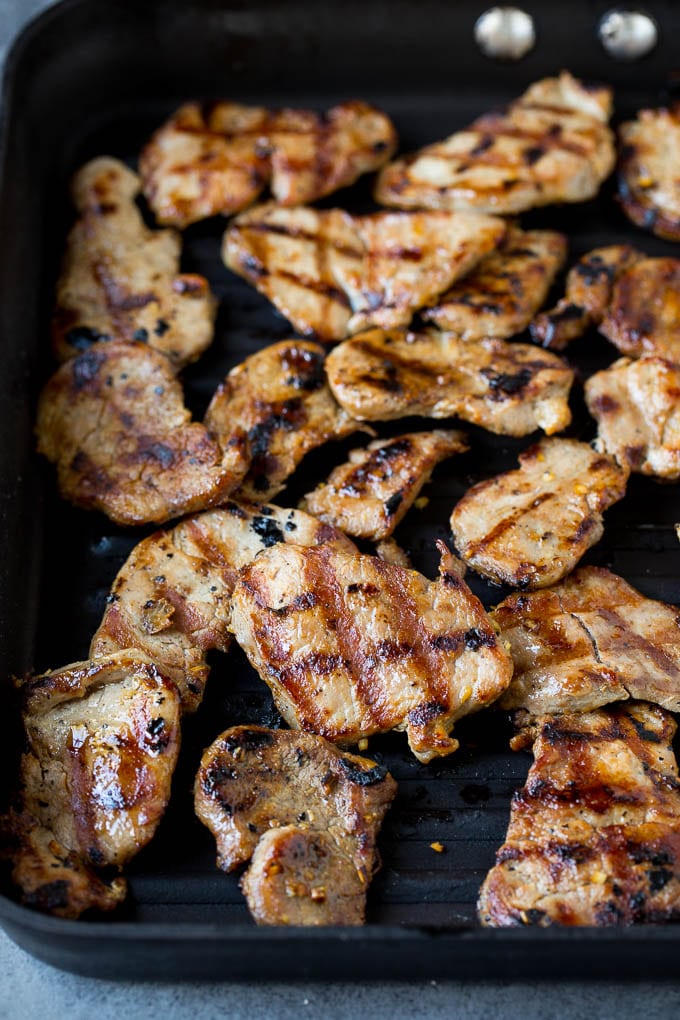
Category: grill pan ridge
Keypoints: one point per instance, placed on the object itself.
(97, 76)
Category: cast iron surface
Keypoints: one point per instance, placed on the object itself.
(96, 77)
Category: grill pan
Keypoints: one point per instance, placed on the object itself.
(97, 76)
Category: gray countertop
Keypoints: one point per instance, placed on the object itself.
(30, 989)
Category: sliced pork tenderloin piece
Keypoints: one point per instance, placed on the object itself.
(306, 816)
(635, 404)
(594, 835)
(351, 645)
(553, 144)
(102, 744)
(113, 421)
(530, 527)
(218, 157)
(369, 495)
(649, 152)
(121, 281)
(509, 389)
(280, 401)
(588, 641)
(589, 288)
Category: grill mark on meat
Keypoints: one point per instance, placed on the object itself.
(426, 659)
(648, 648)
(499, 529)
(321, 578)
(285, 230)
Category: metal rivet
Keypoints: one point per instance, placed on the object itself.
(506, 33)
(628, 35)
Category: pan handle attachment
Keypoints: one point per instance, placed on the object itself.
(628, 35)
(505, 33)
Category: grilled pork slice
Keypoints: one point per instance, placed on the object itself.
(648, 182)
(171, 598)
(102, 743)
(531, 526)
(332, 274)
(120, 280)
(550, 145)
(588, 293)
(218, 157)
(369, 495)
(306, 813)
(352, 646)
(636, 407)
(588, 641)
(280, 401)
(644, 311)
(510, 389)
(113, 421)
(501, 296)
(594, 836)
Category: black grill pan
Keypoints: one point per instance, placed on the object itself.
(96, 76)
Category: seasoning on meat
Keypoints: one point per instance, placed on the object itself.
(279, 400)
(500, 297)
(510, 389)
(551, 145)
(332, 274)
(172, 596)
(593, 837)
(102, 743)
(588, 294)
(531, 526)
(352, 646)
(305, 815)
(588, 641)
(218, 157)
(637, 410)
(120, 280)
(113, 421)
(649, 153)
(369, 495)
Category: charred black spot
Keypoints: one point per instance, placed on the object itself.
(267, 530)
(533, 154)
(362, 777)
(306, 600)
(379, 146)
(236, 511)
(425, 713)
(608, 913)
(290, 525)
(446, 642)
(288, 416)
(393, 503)
(162, 453)
(658, 878)
(159, 579)
(533, 916)
(95, 855)
(644, 733)
(251, 827)
(85, 368)
(249, 740)
(49, 897)
(252, 267)
(306, 368)
(475, 638)
(595, 269)
(161, 327)
(141, 334)
(83, 337)
(508, 383)
(111, 598)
